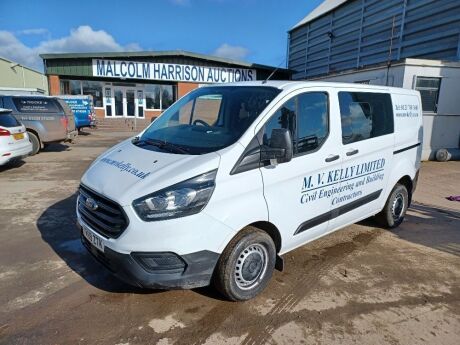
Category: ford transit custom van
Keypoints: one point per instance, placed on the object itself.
(233, 176)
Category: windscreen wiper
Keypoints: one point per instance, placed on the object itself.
(173, 148)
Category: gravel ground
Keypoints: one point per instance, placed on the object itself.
(361, 285)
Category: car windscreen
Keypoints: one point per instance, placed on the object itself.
(208, 119)
(36, 105)
(8, 120)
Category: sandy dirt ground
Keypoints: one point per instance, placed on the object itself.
(360, 285)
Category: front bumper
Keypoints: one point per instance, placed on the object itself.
(195, 271)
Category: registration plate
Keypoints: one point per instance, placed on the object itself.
(95, 240)
(18, 136)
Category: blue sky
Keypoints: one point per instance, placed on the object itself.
(251, 30)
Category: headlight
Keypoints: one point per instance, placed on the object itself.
(182, 199)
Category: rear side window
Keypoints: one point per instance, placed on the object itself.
(7, 120)
(365, 115)
(36, 105)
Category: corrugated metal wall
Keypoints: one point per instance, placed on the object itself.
(359, 34)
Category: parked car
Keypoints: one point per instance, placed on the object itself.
(14, 140)
(233, 176)
(47, 119)
(82, 108)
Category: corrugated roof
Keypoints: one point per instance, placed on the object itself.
(323, 8)
(174, 53)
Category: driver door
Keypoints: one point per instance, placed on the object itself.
(296, 191)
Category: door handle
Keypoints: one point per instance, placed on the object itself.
(352, 152)
(332, 158)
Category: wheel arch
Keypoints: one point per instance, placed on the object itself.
(40, 141)
(272, 231)
(407, 182)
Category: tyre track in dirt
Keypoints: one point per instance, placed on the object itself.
(329, 257)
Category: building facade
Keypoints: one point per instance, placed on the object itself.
(16, 79)
(404, 43)
(143, 84)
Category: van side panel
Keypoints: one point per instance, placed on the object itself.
(368, 161)
(407, 109)
(238, 199)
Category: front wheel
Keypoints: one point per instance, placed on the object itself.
(395, 208)
(246, 265)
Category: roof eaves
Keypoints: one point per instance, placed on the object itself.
(156, 54)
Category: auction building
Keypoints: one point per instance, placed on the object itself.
(140, 85)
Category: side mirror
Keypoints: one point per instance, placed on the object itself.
(280, 148)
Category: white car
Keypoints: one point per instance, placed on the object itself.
(14, 140)
(233, 176)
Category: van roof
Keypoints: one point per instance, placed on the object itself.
(292, 85)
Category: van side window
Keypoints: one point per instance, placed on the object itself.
(36, 105)
(313, 123)
(306, 117)
(365, 115)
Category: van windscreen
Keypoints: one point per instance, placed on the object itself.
(36, 105)
(208, 119)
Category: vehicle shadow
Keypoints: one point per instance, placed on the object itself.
(55, 147)
(12, 165)
(83, 133)
(428, 225)
(57, 225)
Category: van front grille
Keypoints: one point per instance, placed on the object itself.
(101, 214)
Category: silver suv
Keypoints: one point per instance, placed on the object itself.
(47, 119)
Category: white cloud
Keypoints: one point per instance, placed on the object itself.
(13, 49)
(81, 39)
(37, 31)
(231, 52)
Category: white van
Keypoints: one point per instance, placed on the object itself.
(233, 176)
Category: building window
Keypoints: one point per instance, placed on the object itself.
(93, 88)
(70, 87)
(152, 97)
(167, 96)
(429, 91)
(159, 97)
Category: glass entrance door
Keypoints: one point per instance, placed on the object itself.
(130, 103)
(119, 104)
(126, 102)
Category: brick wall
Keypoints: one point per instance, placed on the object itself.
(184, 88)
(54, 85)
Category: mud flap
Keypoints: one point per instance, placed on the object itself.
(279, 263)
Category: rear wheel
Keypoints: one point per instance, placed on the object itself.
(246, 265)
(395, 208)
(35, 143)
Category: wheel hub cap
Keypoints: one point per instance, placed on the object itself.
(250, 266)
(398, 206)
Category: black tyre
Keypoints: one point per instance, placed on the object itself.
(246, 265)
(35, 143)
(395, 208)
